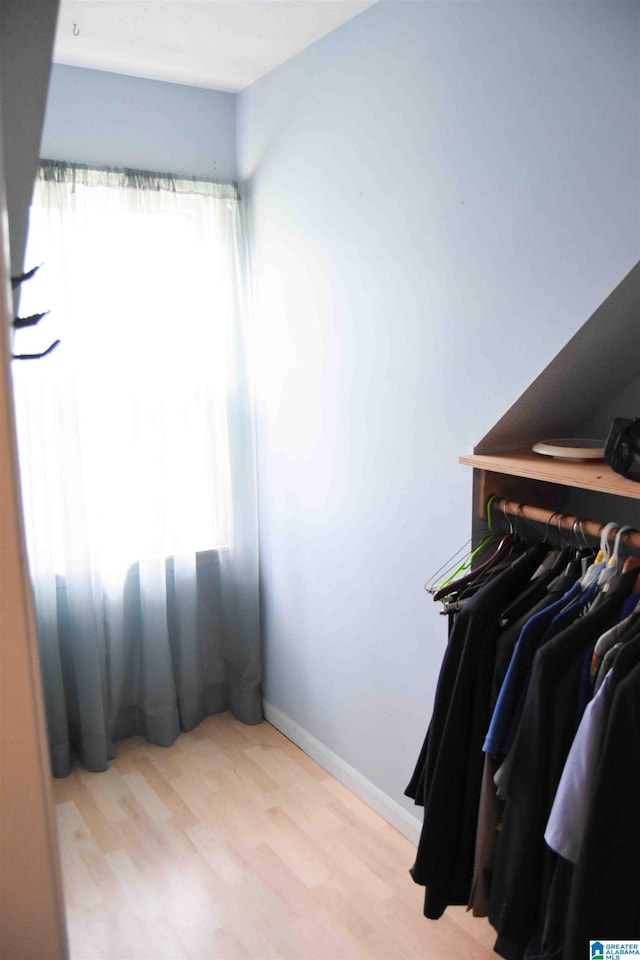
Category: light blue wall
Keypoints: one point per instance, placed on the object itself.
(440, 194)
(106, 118)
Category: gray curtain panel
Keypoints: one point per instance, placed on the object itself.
(148, 663)
(137, 459)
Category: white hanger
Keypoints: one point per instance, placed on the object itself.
(602, 557)
(612, 566)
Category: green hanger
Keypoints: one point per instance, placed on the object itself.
(467, 563)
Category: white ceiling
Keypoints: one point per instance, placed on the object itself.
(218, 44)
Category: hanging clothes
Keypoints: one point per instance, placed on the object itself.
(500, 733)
(527, 653)
(523, 866)
(610, 850)
(448, 774)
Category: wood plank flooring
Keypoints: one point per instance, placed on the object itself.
(231, 844)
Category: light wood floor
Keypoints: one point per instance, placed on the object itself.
(233, 843)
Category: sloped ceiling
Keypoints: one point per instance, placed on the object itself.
(599, 363)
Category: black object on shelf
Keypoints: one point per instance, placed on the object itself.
(622, 449)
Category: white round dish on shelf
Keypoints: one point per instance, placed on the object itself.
(570, 448)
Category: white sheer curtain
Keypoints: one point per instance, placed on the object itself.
(137, 457)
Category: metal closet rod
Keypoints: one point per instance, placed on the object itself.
(558, 519)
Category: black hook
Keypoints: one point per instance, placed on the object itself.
(16, 281)
(35, 356)
(21, 322)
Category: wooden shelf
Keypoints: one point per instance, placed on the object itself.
(586, 475)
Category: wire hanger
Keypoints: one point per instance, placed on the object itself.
(465, 563)
(431, 586)
(555, 554)
(504, 548)
(583, 553)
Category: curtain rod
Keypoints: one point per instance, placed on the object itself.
(49, 165)
(558, 519)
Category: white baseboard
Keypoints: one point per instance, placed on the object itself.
(389, 809)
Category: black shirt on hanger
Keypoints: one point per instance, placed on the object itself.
(448, 774)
